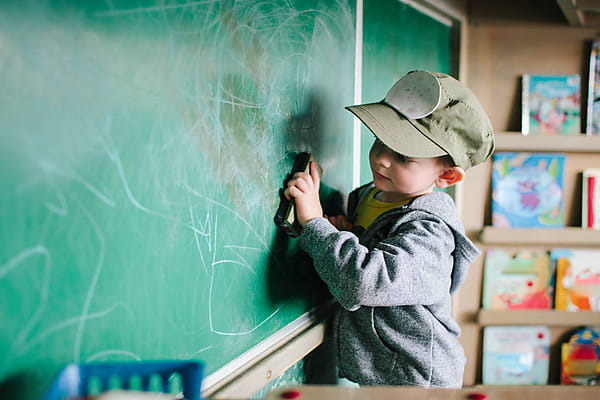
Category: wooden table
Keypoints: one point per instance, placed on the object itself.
(323, 392)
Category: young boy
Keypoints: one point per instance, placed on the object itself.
(407, 253)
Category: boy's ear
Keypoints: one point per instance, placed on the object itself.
(450, 176)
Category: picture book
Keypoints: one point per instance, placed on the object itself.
(515, 355)
(527, 190)
(522, 281)
(551, 105)
(590, 198)
(577, 279)
(580, 358)
(593, 106)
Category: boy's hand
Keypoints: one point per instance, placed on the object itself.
(341, 223)
(304, 189)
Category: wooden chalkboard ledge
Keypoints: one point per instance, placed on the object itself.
(253, 370)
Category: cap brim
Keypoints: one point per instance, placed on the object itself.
(395, 131)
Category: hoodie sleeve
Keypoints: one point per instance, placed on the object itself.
(413, 266)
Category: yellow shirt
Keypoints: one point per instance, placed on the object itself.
(371, 208)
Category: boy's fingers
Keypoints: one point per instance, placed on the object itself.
(304, 177)
(314, 173)
(301, 184)
(294, 191)
(303, 181)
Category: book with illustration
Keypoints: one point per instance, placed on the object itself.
(593, 106)
(580, 358)
(577, 279)
(590, 198)
(551, 105)
(527, 190)
(515, 355)
(520, 281)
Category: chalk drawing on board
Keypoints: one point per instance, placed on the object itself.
(19, 261)
(92, 287)
(23, 342)
(50, 169)
(113, 155)
(28, 344)
(209, 230)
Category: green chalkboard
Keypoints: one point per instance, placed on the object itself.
(397, 39)
(142, 145)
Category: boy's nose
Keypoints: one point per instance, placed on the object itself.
(383, 158)
(384, 162)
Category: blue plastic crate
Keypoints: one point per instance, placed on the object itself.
(74, 379)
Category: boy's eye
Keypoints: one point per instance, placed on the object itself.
(401, 158)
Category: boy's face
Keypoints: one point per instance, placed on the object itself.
(400, 177)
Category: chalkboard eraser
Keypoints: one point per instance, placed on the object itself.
(285, 218)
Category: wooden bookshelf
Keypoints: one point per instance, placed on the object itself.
(554, 318)
(515, 141)
(498, 54)
(569, 236)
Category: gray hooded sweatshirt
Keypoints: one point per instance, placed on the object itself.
(394, 283)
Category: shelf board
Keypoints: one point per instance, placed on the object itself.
(570, 236)
(515, 141)
(538, 317)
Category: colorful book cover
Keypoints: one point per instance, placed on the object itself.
(522, 281)
(515, 355)
(590, 198)
(580, 358)
(551, 105)
(577, 279)
(527, 190)
(593, 105)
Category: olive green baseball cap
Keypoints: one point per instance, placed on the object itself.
(430, 115)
